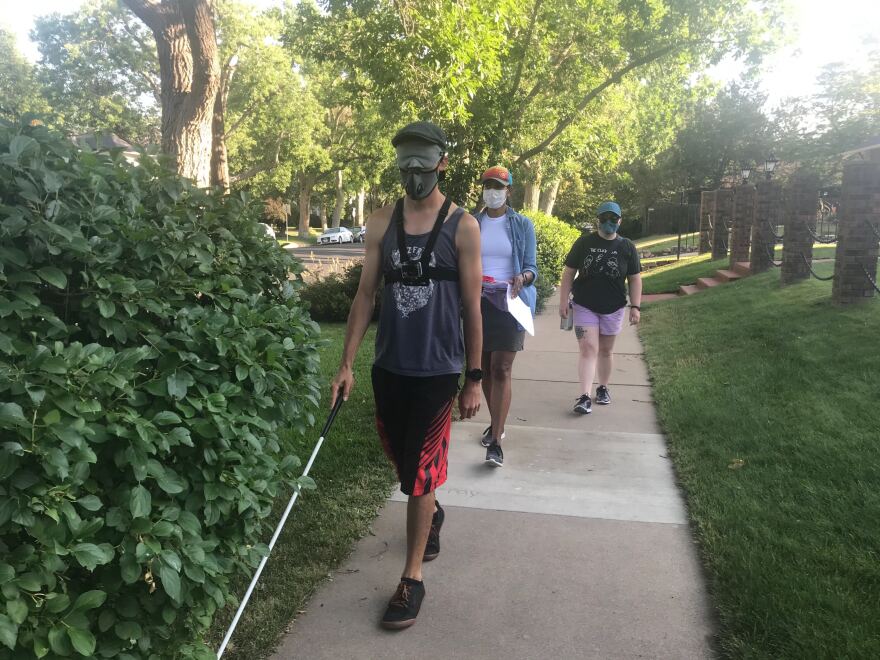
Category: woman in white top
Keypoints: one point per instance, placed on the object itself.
(509, 257)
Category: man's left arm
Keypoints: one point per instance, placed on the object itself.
(470, 277)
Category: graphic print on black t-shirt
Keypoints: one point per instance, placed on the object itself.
(602, 267)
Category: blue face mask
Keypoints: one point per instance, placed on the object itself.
(608, 226)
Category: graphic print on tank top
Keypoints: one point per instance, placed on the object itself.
(409, 299)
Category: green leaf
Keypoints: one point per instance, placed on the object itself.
(127, 630)
(58, 640)
(7, 573)
(17, 610)
(29, 582)
(83, 641)
(11, 415)
(170, 581)
(178, 383)
(106, 619)
(90, 503)
(56, 603)
(141, 502)
(130, 569)
(171, 558)
(53, 276)
(52, 417)
(166, 417)
(8, 632)
(90, 600)
(41, 648)
(171, 482)
(106, 308)
(90, 555)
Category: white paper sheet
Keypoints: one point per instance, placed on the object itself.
(520, 312)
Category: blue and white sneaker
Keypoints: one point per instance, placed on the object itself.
(603, 396)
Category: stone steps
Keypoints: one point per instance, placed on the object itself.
(727, 275)
(743, 268)
(722, 276)
(707, 282)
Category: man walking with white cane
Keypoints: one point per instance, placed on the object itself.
(428, 251)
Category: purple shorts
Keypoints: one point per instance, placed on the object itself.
(609, 324)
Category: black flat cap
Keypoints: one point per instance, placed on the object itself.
(421, 130)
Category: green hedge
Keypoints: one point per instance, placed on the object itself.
(152, 348)
(554, 240)
(329, 298)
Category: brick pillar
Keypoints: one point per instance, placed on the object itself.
(857, 247)
(767, 206)
(721, 222)
(800, 219)
(743, 218)
(707, 213)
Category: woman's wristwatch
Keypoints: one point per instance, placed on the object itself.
(636, 307)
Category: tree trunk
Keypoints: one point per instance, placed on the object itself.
(340, 200)
(548, 197)
(189, 77)
(532, 196)
(306, 182)
(361, 199)
(219, 156)
(323, 215)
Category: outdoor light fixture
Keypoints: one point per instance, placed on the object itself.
(770, 165)
(746, 172)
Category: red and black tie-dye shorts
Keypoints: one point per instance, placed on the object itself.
(414, 419)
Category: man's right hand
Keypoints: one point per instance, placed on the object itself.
(342, 384)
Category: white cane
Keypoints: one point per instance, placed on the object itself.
(250, 589)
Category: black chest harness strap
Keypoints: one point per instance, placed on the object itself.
(418, 273)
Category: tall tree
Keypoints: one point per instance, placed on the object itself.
(189, 75)
(20, 93)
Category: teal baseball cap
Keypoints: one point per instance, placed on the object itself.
(609, 207)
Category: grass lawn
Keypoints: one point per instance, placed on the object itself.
(667, 279)
(769, 399)
(353, 479)
(663, 241)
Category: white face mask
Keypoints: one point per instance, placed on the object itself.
(494, 199)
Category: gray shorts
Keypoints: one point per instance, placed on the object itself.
(500, 330)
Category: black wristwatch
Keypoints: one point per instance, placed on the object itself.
(475, 375)
(636, 307)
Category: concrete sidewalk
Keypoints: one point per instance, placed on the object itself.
(577, 548)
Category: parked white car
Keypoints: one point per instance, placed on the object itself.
(269, 231)
(336, 235)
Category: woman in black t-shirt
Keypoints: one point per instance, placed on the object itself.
(603, 262)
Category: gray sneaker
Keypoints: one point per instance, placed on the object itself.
(487, 438)
(603, 396)
(494, 455)
(584, 405)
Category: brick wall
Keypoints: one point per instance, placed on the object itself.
(743, 217)
(707, 213)
(767, 209)
(721, 222)
(857, 245)
(801, 202)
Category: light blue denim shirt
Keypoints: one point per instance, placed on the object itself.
(522, 237)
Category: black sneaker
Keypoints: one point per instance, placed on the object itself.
(584, 405)
(432, 549)
(487, 439)
(603, 396)
(403, 608)
(494, 455)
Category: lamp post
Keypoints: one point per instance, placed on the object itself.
(769, 166)
(745, 172)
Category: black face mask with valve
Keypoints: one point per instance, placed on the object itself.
(420, 183)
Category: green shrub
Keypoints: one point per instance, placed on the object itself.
(152, 350)
(329, 298)
(554, 240)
